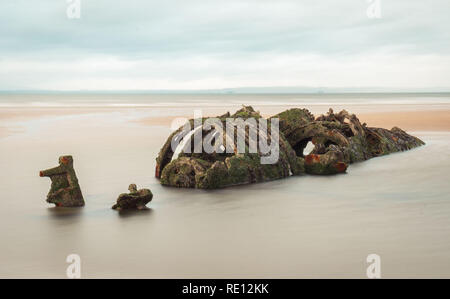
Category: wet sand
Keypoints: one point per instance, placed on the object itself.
(407, 120)
(426, 120)
(410, 120)
(396, 206)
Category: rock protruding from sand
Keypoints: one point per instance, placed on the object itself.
(338, 140)
(135, 199)
(228, 165)
(65, 190)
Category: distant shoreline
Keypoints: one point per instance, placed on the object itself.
(408, 120)
(309, 92)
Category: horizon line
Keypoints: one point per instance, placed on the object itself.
(241, 90)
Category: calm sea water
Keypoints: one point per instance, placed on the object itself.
(396, 206)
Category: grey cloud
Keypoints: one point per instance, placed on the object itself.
(137, 28)
(167, 40)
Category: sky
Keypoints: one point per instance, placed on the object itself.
(210, 44)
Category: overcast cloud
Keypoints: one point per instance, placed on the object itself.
(192, 44)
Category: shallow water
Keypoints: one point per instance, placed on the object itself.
(396, 206)
(360, 102)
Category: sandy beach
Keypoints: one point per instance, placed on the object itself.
(407, 120)
(427, 120)
(305, 226)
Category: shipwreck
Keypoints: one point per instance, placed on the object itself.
(338, 139)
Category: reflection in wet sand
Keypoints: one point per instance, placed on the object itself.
(145, 212)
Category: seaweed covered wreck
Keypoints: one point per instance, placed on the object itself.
(338, 139)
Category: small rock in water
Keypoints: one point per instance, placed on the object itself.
(65, 190)
(136, 199)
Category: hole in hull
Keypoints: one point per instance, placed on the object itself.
(308, 148)
(300, 146)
